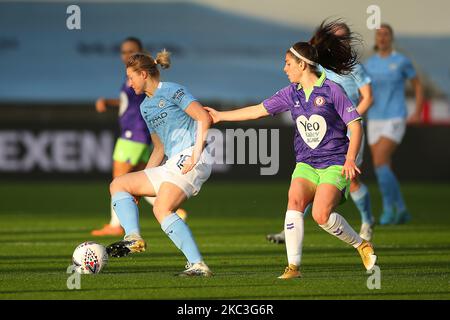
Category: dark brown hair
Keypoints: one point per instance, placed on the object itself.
(333, 52)
(136, 41)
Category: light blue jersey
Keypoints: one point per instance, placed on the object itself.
(165, 115)
(351, 83)
(388, 82)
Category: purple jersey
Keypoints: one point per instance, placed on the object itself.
(132, 125)
(321, 121)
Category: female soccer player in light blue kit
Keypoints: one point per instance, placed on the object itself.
(325, 156)
(357, 87)
(133, 148)
(386, 124)
(178, 126)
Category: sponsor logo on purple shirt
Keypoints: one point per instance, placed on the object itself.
(321, 122)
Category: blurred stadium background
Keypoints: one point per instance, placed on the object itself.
(228, 53)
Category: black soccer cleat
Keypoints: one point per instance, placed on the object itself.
(125, 247)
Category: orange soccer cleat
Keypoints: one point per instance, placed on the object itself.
(108, 230)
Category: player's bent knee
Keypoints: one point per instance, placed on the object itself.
(297, 203)
(355, 185)
(320, 217)
(116, 185)
(113, 186)
(160, 212)
(380, 160)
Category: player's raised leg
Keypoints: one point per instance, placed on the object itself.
(170, 197)
(301, 193)
(327, 198)
(125, 191)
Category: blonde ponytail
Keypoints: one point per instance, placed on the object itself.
(163, 59)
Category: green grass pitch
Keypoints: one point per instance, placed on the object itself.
(42, 223)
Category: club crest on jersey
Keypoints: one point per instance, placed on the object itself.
(319, 101)
(161, 103)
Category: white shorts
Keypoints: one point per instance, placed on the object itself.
(170, 171)
(393, 129)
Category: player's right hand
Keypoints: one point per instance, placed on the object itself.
(215, 115)
(100, 105)
(350, 170)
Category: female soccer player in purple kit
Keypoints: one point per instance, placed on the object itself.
(132, 149)
(357, 86)
(325, 156)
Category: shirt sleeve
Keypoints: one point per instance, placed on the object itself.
(344, 106)
(279, 102)
(361, 76)
(408, 70)
(181, 96)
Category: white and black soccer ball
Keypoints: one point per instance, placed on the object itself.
(89, 258)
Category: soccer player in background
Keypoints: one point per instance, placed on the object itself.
(386, 125)
(133, 147)
(326, 158)
(357, 87)
(178, 125)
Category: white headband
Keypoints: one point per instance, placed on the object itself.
(298, 55)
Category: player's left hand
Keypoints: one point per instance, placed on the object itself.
(350, 170)
(188, 164)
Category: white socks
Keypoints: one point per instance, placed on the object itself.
(339, 227)
(293, 230)
(115, 222)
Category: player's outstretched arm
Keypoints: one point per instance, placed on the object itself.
(242, 114)
(101, 104)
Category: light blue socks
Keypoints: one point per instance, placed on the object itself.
(180, 234)
(361, 199)
(127, 211)
(390, 190)
(177, 230)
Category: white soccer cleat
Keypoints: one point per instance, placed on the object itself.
(278, 238)
(199, 269)
(366, 231)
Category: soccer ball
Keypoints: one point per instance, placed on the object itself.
(89, 258)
